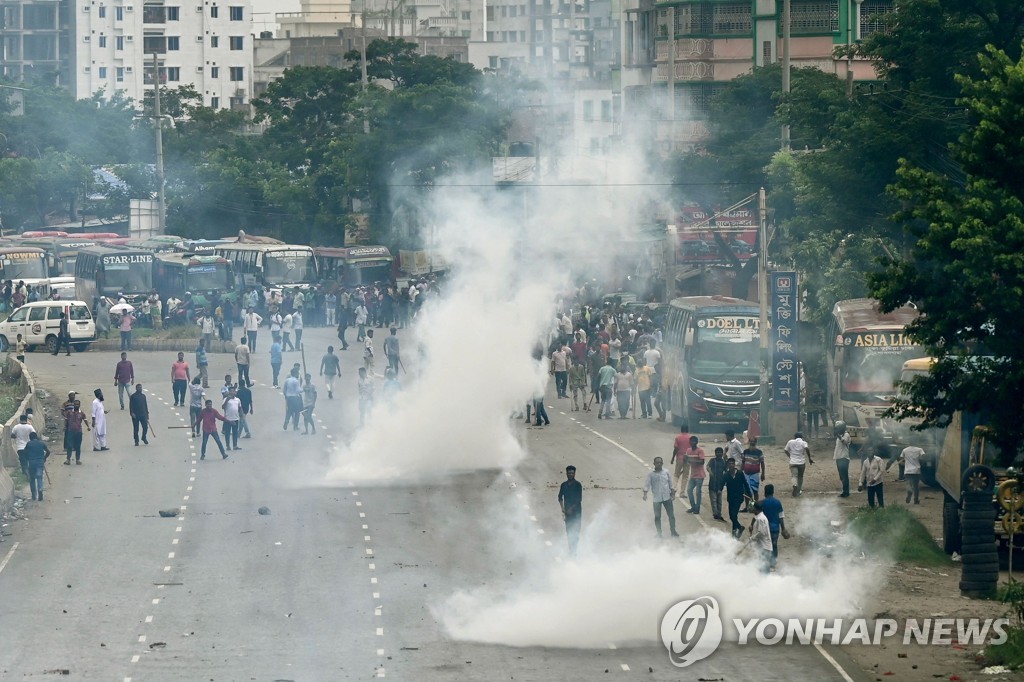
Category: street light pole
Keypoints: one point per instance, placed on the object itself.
(785, 65)
(762, 298)
(161, 199)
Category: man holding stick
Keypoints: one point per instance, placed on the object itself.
(138, 408)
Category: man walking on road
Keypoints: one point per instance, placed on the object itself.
(292, 400)
(695, 486)
(872, 477)
(772, 508)
(203, 363)
(99, 422)
(737, 491)
(841, 455)
(605, 382)
(910, 458)
(232, 416)
(679, 448)
(195, 404)
(251, 322)
(138, 408)
(716, 482)
(275, 360)
(753, 467)
(298, 325)
(659, 484)
(308, 405)
(244, 394)
(124, 377)
(208, 418)
(74, 422)
(20, 433)
(570, 498)
(799, 457)
(64, 336)
(36, 453)
(330, 369)
(368, 351)
(127, 324)
(242, 360)
(180, 376)
(391, 351)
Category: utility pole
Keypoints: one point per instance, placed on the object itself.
(161, 200)
(785, 67)
(762, 299)
(362, 61)
(670, 262)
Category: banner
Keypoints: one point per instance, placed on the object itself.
(785, 370)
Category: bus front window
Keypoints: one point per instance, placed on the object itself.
(289, 268)
(717, 355)
(132, 278)
(208, 278)
(23, 268)
(870, 372)
(370, 273)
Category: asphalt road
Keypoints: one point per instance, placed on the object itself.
(335, 583)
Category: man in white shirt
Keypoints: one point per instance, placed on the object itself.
(799, 457)
(841, 455)
(560, 368)
(360, 314)
(733, 448)
(20, 433)
(652, 358)
(871, 477)
(297, 325)
(659, 484)
(761, 535)
(232, 414)
(368, 352)
(251, 321)
(286, 332)
(911, 460)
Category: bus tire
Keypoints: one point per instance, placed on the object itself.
(951, 541)
(51, 344)
(978, 478)
(981, 588)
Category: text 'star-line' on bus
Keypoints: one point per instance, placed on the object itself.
(113, 272)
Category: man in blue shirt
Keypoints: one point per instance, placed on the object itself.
(275, 359)
(203, 362)
(776, 520)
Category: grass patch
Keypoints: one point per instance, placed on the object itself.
(11, 395)
(894, 531)
(1011, 652)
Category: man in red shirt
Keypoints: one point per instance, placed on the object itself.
(695, 488)
(208, 417)
(124, 377)
(74, 420)
(679, 448)
(180, 377)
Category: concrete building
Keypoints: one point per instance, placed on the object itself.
(677, 55)
(35, 41)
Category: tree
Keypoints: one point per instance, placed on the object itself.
(966, 267)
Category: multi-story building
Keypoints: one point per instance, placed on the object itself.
(121, 45)
(678, 54)
(35, 41)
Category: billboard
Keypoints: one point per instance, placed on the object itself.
(696, 233)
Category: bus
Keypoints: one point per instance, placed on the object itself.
(270, 265)
(200, 245)
(62, 252)
(157, 244)
(864, 362)
(113, 272)
(355, 265)
(207, 277)
(27, 264)
(711, 361)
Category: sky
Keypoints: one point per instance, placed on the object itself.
(263, 12)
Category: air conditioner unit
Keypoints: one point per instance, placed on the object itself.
(199, 39)
(87, 69)
(86, 39)
(127, 69)
(129, 39)
(199, 69)
(85, 8)
(199, 9)
(240, 92)
(128, 8)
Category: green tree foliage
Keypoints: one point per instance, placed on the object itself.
(966, 266)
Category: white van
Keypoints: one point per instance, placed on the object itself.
(39, 323)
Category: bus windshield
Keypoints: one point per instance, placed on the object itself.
(369, 272)
(129, 278)
(870, 372)
(23, 266)
(208, 277)
(725, 354)
(289, 267)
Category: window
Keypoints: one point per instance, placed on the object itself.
(213, 12)
(766, 53)
(465, 16)
(103, 12)
(588, 110)
(214, 72)
(119, 74)
(103, 72)
(173, 13)
(539, 36)
(490, 13)
(214, 41)
(103, 41)
(173, 73)
(215, 101)
(504, 11)
(813, 17)
(118, 43)
(705, 18)
(173, 43)
(236, 102)
(492, 62)
(119, 14)
(19, 315)
(875, 16)
(237, 73)
(606, 110)
(154, 44)
(236, 13)
(36, 314)
(236, 42)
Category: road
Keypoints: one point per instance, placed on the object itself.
(340, 583)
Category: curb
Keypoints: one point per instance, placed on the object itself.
(162, 345)
(8, 456)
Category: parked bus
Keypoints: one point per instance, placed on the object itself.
(62, 252)
(207, 277)
(711, 361)
(201, 245)
(113, 271)
(355, 265)
(157, 244)
(270, 265)
(23, 263)
(864, 362)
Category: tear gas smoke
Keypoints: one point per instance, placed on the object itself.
(510, 255)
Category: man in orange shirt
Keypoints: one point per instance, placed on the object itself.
(679, 448)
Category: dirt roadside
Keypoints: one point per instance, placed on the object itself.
(908, 591)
